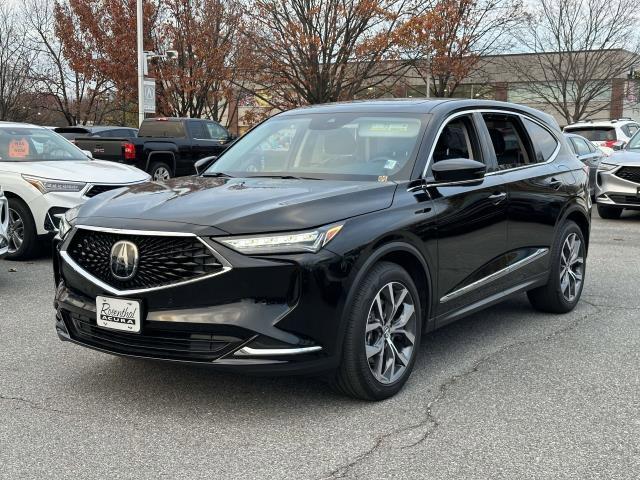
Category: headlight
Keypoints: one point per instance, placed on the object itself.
(47, 185)
(605, 167)
(64, 227)
(66, 222)
(310, 241)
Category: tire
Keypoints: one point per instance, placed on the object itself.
(609, 213)
(359, 376)
(160, 172)
(25, 230)
(553, 297)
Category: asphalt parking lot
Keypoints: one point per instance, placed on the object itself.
(507, 393)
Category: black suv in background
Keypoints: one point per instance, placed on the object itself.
(164, 147)
(329, 239)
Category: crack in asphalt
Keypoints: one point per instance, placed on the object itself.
(430, 419)
(30, 403)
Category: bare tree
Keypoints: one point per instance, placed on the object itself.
(76, 93)
(15, 58)
(315, 51)
(579, 46)
(444, 43)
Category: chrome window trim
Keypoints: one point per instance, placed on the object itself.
(541, 252)
(492, 110)
(226, 266)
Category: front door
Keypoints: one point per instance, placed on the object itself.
(471, 222)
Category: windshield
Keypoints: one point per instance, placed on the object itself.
(340, 146)
(29, 144)
(634, 143)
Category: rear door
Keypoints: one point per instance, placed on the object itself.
(471, 222)
(525, 150)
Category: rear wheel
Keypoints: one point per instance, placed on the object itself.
(383, 334)
(22, 234)
(566, 279)
(609, 213)
(160, 171)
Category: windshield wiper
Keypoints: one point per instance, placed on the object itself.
(285, 177)
(217, 175)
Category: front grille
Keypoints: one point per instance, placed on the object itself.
(152, 342)
(629, 173)
(625, 199)
(98, 189)
(163, 260)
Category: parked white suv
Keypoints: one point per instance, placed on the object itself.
(4, 224)
(608, 135)
(43, 175)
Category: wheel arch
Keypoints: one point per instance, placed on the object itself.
(164, 155)
(409, 258)
(576, 215)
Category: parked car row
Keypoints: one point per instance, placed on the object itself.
(42, 176)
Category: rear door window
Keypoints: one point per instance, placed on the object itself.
(510, 141)
(198, 131)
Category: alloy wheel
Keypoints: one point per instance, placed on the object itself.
(571, 267)
(390, 333)
(15, 233)
(161, 174)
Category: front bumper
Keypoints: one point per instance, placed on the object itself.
(265, 315)
(614, 191)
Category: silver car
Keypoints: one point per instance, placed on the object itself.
(4, 224)
(618, 181)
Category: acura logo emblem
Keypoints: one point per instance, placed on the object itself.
(124, 260)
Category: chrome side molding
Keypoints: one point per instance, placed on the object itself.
(541, 252)
(248, 351)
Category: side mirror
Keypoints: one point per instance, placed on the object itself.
(204, 163)
(619, 145)
(458, 170)
(88, 153)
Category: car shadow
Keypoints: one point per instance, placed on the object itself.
(156, 386)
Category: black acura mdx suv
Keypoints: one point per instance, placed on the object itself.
(328, 239)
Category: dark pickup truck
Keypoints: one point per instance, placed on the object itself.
(164, 147)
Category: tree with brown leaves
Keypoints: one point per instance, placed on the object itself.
(316, 51)
(445, 41)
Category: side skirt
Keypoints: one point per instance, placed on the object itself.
(534, 282)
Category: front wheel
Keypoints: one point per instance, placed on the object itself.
(609, 213)
(22, 234)
(566, 279)
(382, 335)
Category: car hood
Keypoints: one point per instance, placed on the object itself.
(236, 206)
(624, 157)
(90, 171)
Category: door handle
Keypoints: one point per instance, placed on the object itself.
(555, 183)
(497, 197)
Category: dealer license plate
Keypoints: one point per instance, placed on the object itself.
(118, 314)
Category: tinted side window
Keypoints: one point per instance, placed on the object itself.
(198, 130)
(216, 131)
(544, 143)
(580, 146)
(457, 140)
(509, 140)
(629, 129)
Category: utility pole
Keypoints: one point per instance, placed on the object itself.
(141, 60)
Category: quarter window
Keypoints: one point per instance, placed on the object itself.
(580, 146)
(544, 143)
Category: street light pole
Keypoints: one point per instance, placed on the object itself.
(140, 46)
